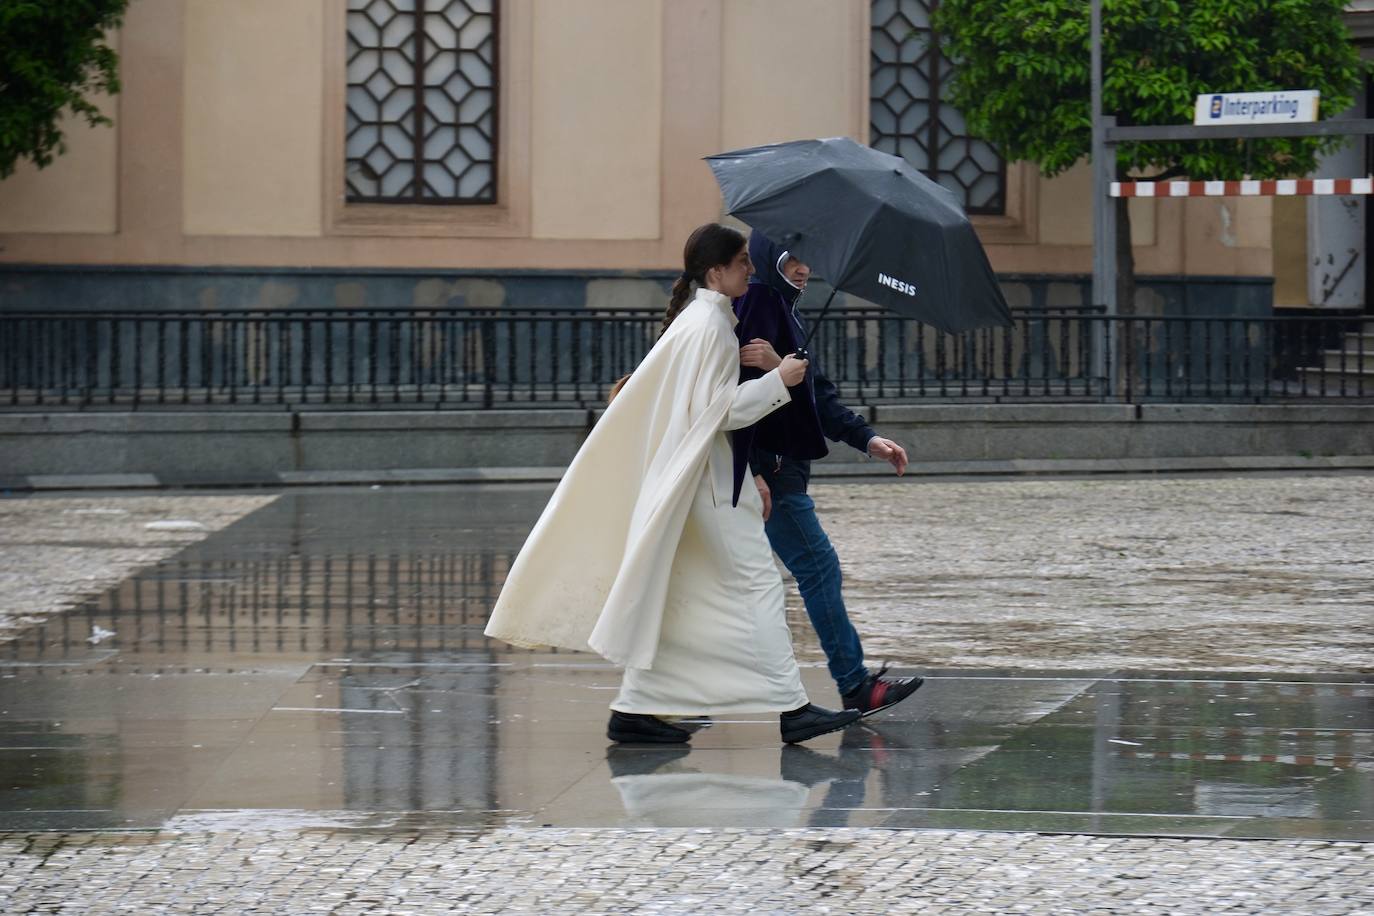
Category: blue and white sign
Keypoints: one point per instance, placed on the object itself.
(1285, 107)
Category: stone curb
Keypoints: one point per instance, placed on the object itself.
(916, 471)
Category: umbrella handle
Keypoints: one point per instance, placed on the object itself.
(802, 352)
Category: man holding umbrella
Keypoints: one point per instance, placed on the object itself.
(779, 450)
(873, 226)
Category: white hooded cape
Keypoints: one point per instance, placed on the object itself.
(594, 572)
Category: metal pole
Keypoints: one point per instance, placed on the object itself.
(1104, 219)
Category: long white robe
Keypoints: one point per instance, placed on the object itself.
(639, 553)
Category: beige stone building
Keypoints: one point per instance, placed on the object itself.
(338, 153)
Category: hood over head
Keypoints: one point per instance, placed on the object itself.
(768, 257)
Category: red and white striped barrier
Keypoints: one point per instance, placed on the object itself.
(1283, 187)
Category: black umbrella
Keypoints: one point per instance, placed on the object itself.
(868, 223)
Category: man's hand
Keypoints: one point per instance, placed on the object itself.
(888, 451)
(764, 494)
(759, 354)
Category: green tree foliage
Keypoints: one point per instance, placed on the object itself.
(53, 58)
(1022, 76)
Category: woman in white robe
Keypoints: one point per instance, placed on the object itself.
(640, 555)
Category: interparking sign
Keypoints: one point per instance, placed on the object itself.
(1282, 107)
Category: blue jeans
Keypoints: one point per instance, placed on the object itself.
(798, 538)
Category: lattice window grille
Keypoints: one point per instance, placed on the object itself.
(907, 117)
(422, 101)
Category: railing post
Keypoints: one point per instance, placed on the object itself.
(488, 360)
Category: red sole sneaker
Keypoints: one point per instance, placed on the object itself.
(885, 694)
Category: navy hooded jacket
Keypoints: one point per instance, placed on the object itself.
(797, 432)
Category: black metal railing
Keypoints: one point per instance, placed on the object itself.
(468, 358)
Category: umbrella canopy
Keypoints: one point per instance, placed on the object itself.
(870, 224)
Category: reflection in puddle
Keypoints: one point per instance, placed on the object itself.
(667, 787)
(321, 663)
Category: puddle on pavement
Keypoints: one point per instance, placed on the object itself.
(321, 664)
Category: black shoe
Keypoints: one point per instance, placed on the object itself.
(811, 720)
(633, 728)
(641, 761)
(811, 768)
(877, 692)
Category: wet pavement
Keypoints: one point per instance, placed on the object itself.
(1240, 573)
(320, 665)
(56, 551)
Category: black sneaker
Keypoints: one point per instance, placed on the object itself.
(811, 721)
(633, 728)
(878, 692)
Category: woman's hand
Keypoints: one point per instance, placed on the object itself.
(765, 494)
(759, 354)
(792, 370)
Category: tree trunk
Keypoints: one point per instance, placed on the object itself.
(1125, 258)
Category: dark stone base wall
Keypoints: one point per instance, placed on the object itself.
(273, 447)
(116, 289)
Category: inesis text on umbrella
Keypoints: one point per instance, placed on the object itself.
(900, 286)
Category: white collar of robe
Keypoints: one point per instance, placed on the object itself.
(719, 300)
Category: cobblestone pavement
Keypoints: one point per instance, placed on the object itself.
(1264, 574)
(56, 551)
(678, 871)
(1239, 573)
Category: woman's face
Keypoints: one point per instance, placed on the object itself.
(732, 279)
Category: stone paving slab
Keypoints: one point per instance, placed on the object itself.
(678, 872)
